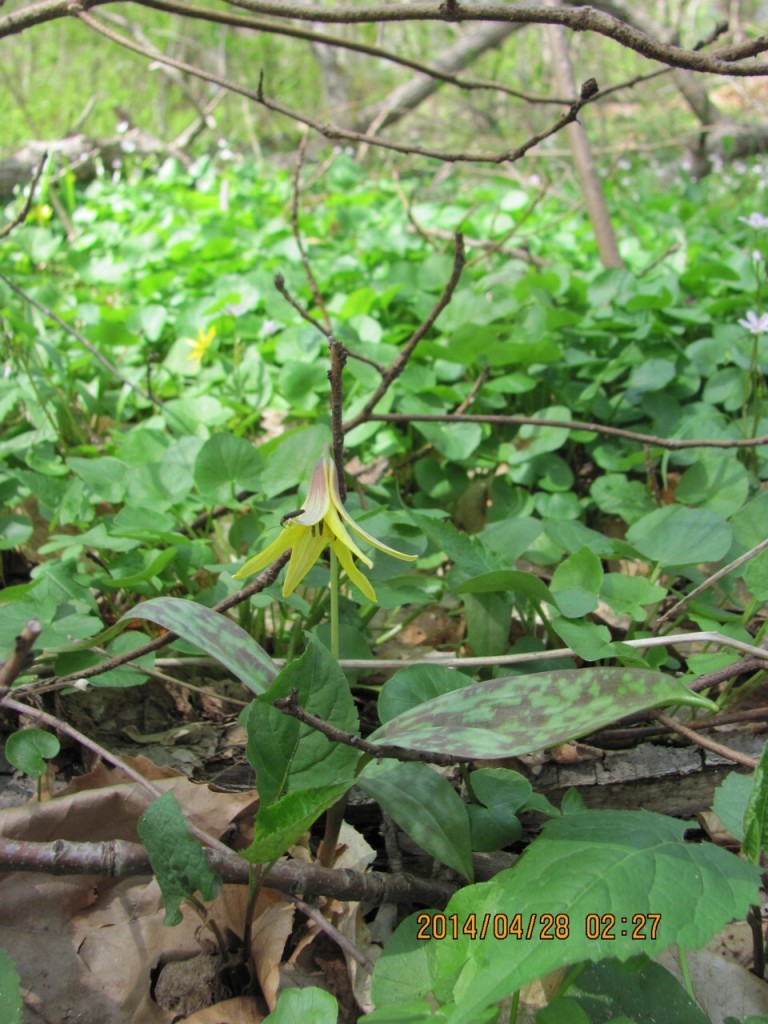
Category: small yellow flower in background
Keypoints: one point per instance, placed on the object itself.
(201, 345)
(320, 524)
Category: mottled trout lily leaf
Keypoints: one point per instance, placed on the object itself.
(313, 528)
(520, 714)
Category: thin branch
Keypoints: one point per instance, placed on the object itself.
(23, 213)
(338, 357)
(336, 134)
(399, 364)
(20, 657)
(113, 759)
(705, 742)
(82, 340)
(644, 732)
(705, 637)
(758, 658)
(313, 285)
(290, 706)
(339, 42)
(341, 941)
(579, 19)
(708, 582)
(672, 443)
(121, 859)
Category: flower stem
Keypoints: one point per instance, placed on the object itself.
(326, 853)
(334, 611)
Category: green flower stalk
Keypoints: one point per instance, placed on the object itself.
(318, 525)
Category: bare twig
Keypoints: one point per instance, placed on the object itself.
(732, 61)
(632, 733)
(704, 741)
(20, 657)
(341, 941)
(23, 213)
(113, 759)
(121, 859)
(290, 706)
(313, 285)
(399, 363)
(708, 582)
(671, 443)
(337, 134)
(342, 43)
(82, 340)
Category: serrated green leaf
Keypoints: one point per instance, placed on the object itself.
(10, 990)
(177, 858)
(622, 863)
(213, 633)
(425, 806)
(277, 826)
(520, 714)
(288, 755)
(28, 750)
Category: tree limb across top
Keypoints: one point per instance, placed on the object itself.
(735, 60)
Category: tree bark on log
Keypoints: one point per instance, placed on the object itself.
(84, 156)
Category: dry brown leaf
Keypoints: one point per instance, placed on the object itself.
(242, 1010)
(272, 927)
(84, 946)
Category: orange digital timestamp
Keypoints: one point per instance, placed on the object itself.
(541, 927)
(609, 927)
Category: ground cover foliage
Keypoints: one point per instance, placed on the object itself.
(157, 433)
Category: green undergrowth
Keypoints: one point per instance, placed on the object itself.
(110, 486)
(150, 448)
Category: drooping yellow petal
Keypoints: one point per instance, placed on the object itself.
(266, 557)
(373, 541)
(362, 582)
(338, 529)
(308, 544)
(337, 506)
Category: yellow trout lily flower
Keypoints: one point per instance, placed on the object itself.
(320, 524)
